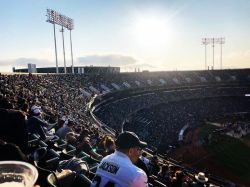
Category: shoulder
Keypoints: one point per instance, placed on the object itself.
(136, 172)
(139, 171)
(140, 178)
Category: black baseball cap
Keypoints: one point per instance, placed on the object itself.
(129, 139)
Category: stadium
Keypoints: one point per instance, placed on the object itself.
(185, 117)
(125, 94)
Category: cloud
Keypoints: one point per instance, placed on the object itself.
(38, 62)
(237, 59)
(105, 60)
(24, 61)
(145, 65)
(6, 65)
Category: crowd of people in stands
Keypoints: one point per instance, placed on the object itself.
(163, 116)
(237, 125)
(167, 120)
(44, 121)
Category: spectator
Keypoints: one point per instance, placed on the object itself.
(11, 151)
(201, 180)
(66, 128)
(153, 165)
(13, 128)
(178, 180)
(163, 174)
(118, 168)
(36, 124)
(87, 148)
(109, 146)
(144, 158)
(71, 138)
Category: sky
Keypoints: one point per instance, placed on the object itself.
(152, 35)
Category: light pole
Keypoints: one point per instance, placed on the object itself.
(213, 41)
(64, 60)
(71, 53)
(57, 71)
(204, 42)
(56, 18)
(222, 41)
(213, 52)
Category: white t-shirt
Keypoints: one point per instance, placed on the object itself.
(118, 169)
(145, 160)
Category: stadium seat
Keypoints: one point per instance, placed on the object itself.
(60, 145)
(51, 180)
(42, 144)
(42, 174)
(81, 180)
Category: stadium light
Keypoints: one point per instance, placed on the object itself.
(55, 17)
(213, 41)
(64, 59)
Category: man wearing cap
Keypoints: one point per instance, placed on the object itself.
(36, 125)
(118, 169)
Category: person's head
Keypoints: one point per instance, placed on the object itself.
(155, 159)
(164, 169)
(70, 138)
(179, 175)
(144, 154)
(201, 178)
(70, 123)
(109, 143)
(36, 110)
(129, 143)
(25, 107)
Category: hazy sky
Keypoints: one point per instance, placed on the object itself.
(145, 34)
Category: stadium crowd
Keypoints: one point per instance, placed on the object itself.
(44, 120)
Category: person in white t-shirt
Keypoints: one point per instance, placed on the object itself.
(118, 169)
(144, 158)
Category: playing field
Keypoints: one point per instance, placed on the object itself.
(232, 153)
(224, 156)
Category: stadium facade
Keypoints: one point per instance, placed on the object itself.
(77, 69)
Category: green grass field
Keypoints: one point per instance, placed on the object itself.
(230, 152)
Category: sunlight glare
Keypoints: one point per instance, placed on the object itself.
(151, 31)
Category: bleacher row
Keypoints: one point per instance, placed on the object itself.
(49, 154)
(146, 79)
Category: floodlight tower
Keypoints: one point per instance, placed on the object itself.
(71, 27)
(66, 22)
(51, 19)
(221, 42)
(71, 52)
(205, 42)
(213, 41)
(213, 51)
(64, 60)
